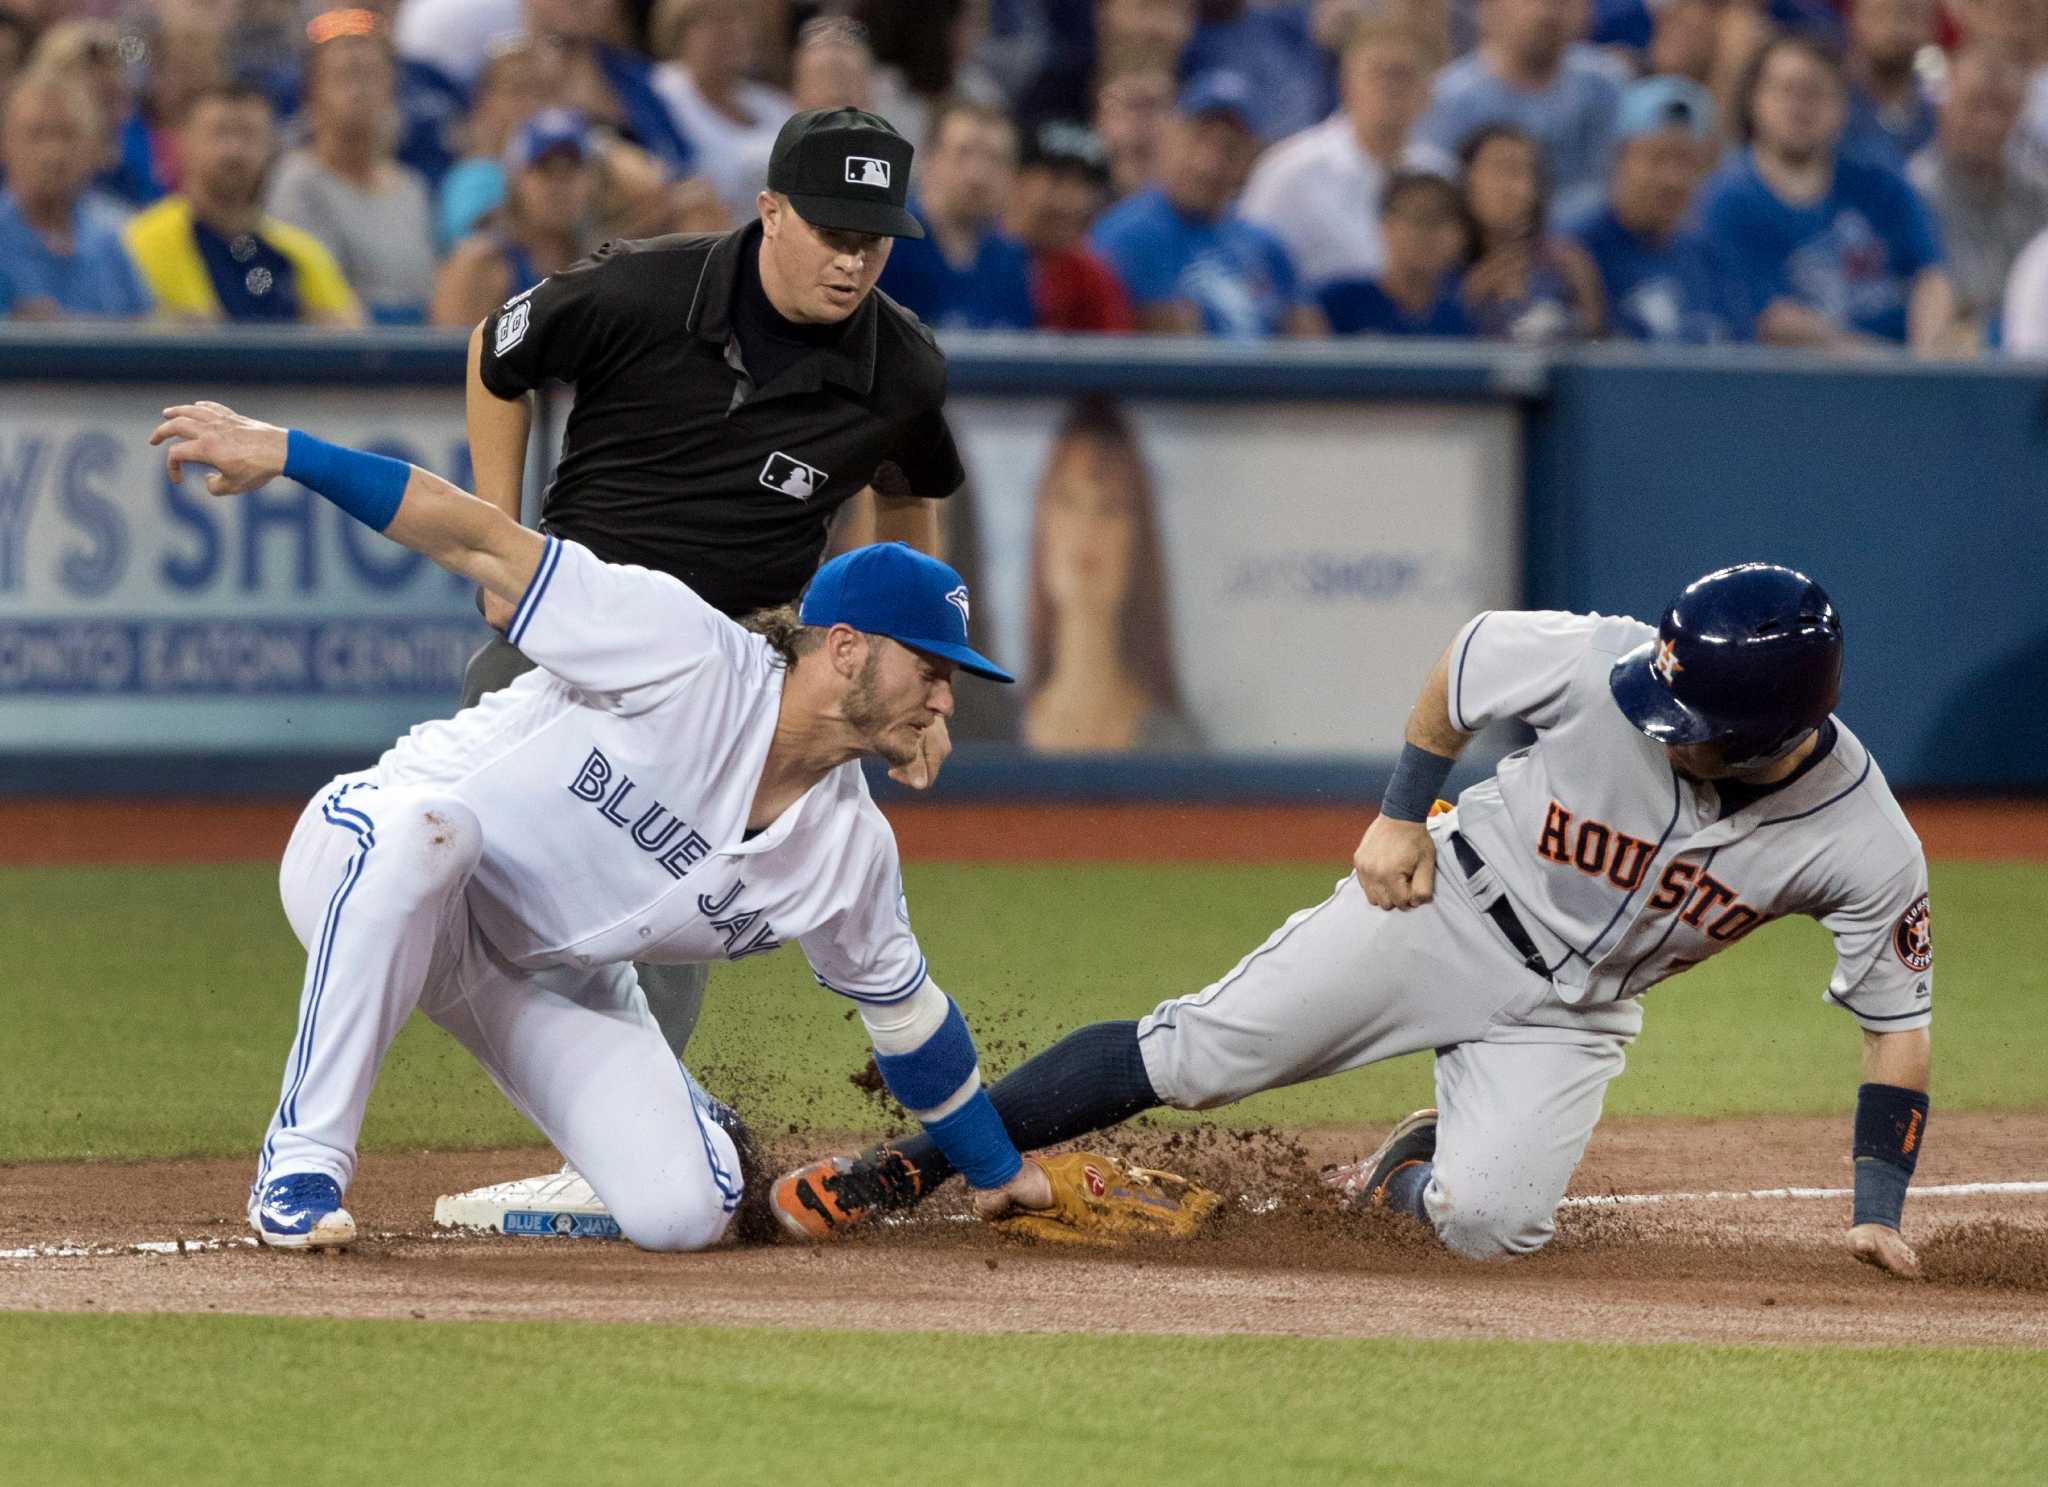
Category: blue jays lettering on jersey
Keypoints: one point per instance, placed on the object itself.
(633, 753)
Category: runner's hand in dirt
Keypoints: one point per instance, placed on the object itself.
(1886, 1248)
(1396, 864)
(1030, 1188)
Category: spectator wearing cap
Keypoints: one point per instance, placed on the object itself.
(1272, 48)
(1319, 192)
(1988, 208)
(1061, 188)
(211, 253)
(1132, 108)
(1530, 71)
(1891, 115)
(965, 272)
(1414, 292)
(1525, 283)
(551, 189)
(1835, 252)
(57, 260)
(521, 78)
(455, 37)
(1663, 279)
(1191, 263)
(610, 82)
(707, 47)
(347, 188)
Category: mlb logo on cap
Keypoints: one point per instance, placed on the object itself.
(866, 170)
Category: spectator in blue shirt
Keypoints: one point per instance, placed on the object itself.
(1530, 72)
(964, 273)
(56, 259)
(1191, 263)
(1833, 251)
(1664, 280)
(1423, 234)
(1891, 116)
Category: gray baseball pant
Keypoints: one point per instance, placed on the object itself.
(675, 994)
(1520, 1076)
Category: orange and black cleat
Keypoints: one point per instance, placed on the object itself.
(825, 1198)
(1363, 1184)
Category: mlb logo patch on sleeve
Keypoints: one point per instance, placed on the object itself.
(791, 476)
(866, 170)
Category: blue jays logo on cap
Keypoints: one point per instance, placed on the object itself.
(893, 590)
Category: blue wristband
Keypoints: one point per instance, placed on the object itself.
(975, 1142)
(367, 486)
(1418, 779)
(1880, 1193)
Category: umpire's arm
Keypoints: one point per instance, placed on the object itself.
(499, 430)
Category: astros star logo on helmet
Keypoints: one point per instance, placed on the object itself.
(1665, 663)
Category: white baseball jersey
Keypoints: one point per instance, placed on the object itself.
(1625, 873)
(613, 786)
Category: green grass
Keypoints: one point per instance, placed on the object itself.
(149, 1011)
(170, 1400)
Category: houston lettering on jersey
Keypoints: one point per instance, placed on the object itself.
(675, 847)
(1596, 849)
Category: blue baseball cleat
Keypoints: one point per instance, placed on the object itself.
(302, 1211)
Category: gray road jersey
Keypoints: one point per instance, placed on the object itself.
(1620, 869)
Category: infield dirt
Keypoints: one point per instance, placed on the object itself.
(1281, 1260)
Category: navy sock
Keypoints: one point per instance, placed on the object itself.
(1404, 1189)
(1093, 1077)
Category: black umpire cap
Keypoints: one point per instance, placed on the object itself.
(845, 169)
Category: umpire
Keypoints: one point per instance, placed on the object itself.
(733, 393)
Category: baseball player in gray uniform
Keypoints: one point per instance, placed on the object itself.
(1687, 784)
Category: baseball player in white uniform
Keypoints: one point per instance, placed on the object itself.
(1687, 784)
(669, 787)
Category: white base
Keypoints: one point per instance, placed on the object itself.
(561, 1205)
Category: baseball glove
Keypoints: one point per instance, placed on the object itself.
(1099, 1200)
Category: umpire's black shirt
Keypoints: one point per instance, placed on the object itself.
(674, 458)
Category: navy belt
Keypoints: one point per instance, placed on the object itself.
(1503, 916)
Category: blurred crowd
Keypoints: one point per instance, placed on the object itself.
(1780, 171)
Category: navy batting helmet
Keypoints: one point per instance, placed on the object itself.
(1748, 658)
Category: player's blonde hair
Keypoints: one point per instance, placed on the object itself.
(781, 628)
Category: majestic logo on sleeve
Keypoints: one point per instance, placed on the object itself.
(1914, 937)
(792, 476)
(865, 170)
(958, 599)
(1666, 663)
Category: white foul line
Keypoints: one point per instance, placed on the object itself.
(1591, 1200)
(1931, 1190)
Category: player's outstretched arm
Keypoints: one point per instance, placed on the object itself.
(1891, 1122)
(1395, 860)
(411, 506)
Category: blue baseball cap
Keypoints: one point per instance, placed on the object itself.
(546, 132)
(1664, 102)
(1219, 91)
(893, 590)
